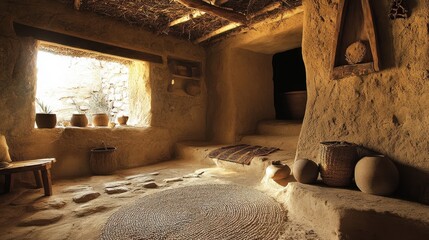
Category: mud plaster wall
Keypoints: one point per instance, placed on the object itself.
(385, 111)
(172, 117)
(239, 77)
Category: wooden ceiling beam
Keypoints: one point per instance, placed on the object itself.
(266, 9)
(80, 43)
(215, 10)
(287, 14)
(194, 14)
(221, 30)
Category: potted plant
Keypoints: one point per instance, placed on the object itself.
(45, 119)
(78, 119)
(101, 107)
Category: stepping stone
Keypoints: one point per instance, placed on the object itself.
(136, 176)
(170, 180)
(27, 198)
(143, 179)
(199, 172)
(77, 188)
(148, 185)
(124, 195)
(56, 203)
(139, 191)
(42, 218)
(91, 208)
(116, 184)
(85, 196)
(191, 175)
(115, 190)
(141, 175)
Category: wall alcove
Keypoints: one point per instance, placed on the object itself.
(355, 50)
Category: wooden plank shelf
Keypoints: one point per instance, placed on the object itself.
(184, 77)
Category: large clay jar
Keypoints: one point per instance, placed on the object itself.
(277, 171)
(79, 120)
(103, 160)
(295, 103)
(305, 171)
(376, 175)
(100, 120)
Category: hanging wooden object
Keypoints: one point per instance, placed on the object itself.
(355, 43)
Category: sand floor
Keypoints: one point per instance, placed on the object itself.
(27, 214)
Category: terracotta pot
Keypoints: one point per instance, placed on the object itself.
(100, 120)
(305, 171)
(103, 160)
(376, 175)
(295, 103)
(193, 88)
(79, 120)
(46, 120)
(123, 120)
(277, 171)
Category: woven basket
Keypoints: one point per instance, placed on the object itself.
(337, 163)
(103, 160)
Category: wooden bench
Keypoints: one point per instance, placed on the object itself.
(41, 169)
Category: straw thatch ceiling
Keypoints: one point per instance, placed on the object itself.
(177, 18)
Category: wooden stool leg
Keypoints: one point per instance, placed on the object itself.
(8, 182)
(38, 178)
(47, 183)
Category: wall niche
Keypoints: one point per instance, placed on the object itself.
(355, 43)
(185, 77)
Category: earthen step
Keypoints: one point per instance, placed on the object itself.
(277, 127)
(285, 143)
(198, 151)
(336, 213)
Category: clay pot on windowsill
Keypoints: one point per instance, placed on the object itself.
(79, 120)
(100, 120)
(46, 120)
(123, 120)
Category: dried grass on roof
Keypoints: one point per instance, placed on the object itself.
(155, 15)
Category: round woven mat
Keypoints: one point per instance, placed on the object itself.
(198, 212)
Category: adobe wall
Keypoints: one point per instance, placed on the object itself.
(385, 111)
(172, 117)
(240, 76)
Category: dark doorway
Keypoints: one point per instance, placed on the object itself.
(290, 86)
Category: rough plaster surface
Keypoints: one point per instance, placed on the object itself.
(174, 117)
(71, 147)
(384, 111)
(239, 76)
(330, 212)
